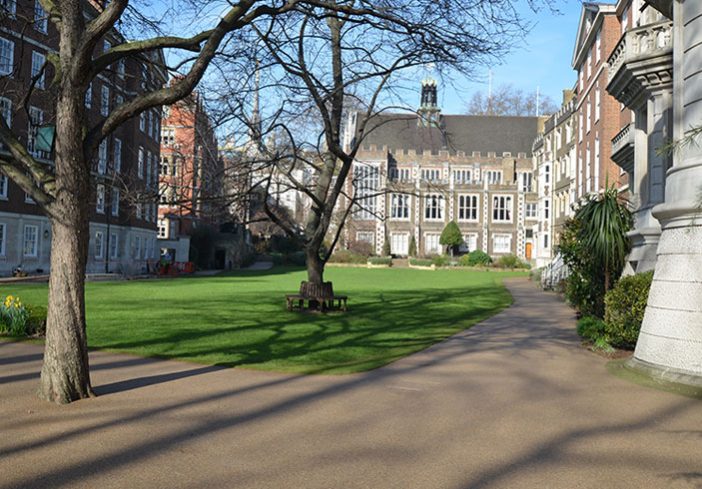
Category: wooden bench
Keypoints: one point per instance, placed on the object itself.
(321, 294)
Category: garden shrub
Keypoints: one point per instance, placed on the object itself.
(591, 328)
(348, 256)
(420, 262)
(510, 261)
(475, 258)
(624, 309)
(412, 247)
(440, 261)
(363, 248)
(13, 316)
(36, 320)
(535, 275)
(387, 250)
(298, 258)
(380, 260)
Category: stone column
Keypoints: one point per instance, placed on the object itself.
(670, 344)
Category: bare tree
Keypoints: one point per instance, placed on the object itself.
(506, 100)
(324, 58)
(64, 190)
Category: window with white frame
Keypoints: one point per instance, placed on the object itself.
(38, 71)
(588, 115)
(106, 46)
(598, 46)
(580, 125)
(36, 119)
(366, 237)
(3, 186)
(149, 124)
(149, 158)
(41, 20)
(589, 65)
(7, 56)
(164, 166)
(30, 246)
(462, 176)
(399, 206)
(431, 174)
(598, 101)
(102, 157)
(403, 174)
(546, 243)
(526, 182)
(119, 100)
(105, 101)
(493, 177)
(147, 247)
(117, 154)
(366, 182)
(502, 208)
(501, 243)
(99, 244)
(114, 245)
(9, 7)
(470, 243)
(142, 122)
(114, 203)
(137, 247)
(167, 136)
(120, 68)
(399, 244)
(162, 228)
(434, 207)
(547, 174)
(100, 199)
(547, 209)
(531, 210)
(140, 163)
(89, 96)
(431, 244)
(3, 238)
(467, 207)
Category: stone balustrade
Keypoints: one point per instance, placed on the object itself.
(647, 41)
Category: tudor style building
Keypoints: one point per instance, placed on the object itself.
(416, 172)
(123, 222)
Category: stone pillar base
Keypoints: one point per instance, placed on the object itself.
(664, 374)
(671, 333)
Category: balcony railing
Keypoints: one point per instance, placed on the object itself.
(623, 148)
(643, 42)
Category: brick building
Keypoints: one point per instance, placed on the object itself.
(416, 172)
(190, 173)
(599, 114)
(123, 222)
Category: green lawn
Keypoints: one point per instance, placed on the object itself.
(240, 319)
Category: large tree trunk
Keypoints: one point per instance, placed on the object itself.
(315, 266)
(65, 374)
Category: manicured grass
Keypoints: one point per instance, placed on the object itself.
(240, 319)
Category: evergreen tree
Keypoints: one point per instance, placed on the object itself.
(451, 236)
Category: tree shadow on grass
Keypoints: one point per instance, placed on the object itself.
(378, 329)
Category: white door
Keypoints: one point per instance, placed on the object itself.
(399, 244)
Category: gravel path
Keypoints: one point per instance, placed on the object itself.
(514, 402)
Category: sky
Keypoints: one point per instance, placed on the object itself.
(543, 61)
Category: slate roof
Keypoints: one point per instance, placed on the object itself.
(468, 133)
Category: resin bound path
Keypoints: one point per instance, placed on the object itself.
(514, 402)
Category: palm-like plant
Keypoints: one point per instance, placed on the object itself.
(605, 221)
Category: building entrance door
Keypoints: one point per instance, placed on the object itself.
(528, 251)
